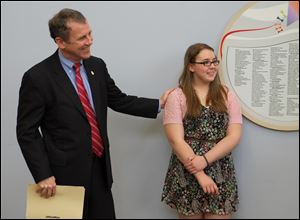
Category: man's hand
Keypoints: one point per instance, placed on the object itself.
(47, 187)
(164, 96)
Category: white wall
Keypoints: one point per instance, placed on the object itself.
(143, 44)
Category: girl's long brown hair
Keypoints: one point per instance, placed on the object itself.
(217, 94)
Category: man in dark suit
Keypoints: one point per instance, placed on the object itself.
(54, 129)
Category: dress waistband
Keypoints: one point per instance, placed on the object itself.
(202, 140)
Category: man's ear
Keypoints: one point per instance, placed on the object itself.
(60, 42)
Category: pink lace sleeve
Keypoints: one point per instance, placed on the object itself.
(175, 108)
(234, 109)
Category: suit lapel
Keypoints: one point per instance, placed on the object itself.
(64, 82)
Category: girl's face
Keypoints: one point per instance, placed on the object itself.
(205, 67)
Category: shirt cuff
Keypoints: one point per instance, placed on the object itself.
(159, 108)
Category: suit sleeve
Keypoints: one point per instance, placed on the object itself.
(128, 104)
(31, 109)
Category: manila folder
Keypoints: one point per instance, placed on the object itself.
(66, 204)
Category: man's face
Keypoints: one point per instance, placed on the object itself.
(77, 47)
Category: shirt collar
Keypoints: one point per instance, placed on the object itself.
(66, 62)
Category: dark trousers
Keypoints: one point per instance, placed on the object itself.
(98, 200)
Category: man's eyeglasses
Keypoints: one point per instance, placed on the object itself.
(208, 63)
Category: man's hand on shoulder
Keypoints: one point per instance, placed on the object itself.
(163, 98)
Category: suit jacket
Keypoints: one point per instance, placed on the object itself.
(52, 128)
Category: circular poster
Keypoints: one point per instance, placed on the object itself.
(259, 54)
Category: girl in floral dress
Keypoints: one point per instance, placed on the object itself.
(203, 123)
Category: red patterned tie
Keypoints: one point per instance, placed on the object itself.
(97, 142)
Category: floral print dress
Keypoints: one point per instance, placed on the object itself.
(181, 190)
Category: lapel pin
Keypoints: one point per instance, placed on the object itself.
(92, 73)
